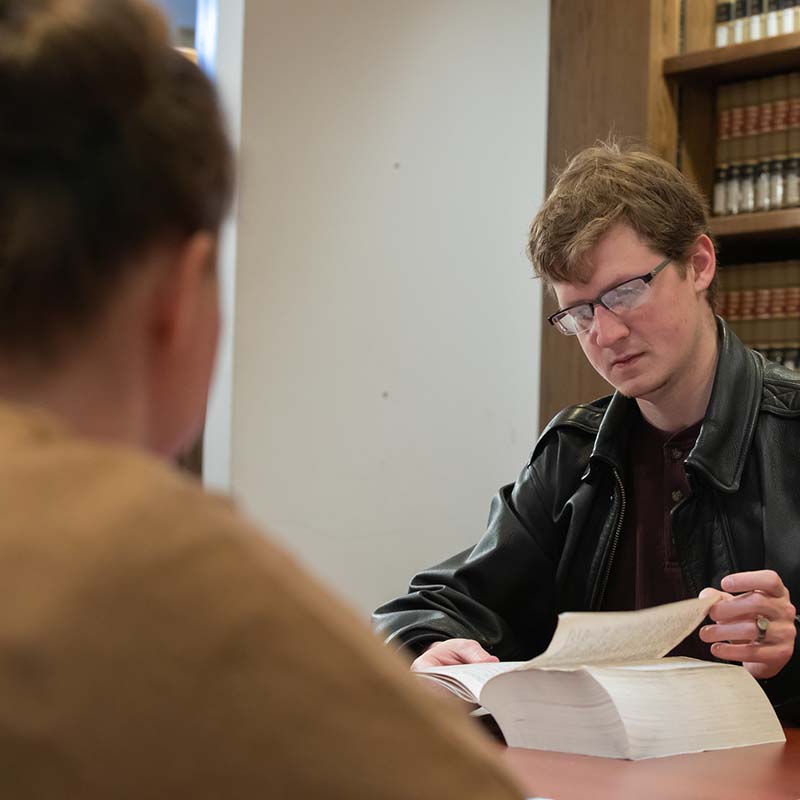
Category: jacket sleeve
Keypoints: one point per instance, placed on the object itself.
(500, 592)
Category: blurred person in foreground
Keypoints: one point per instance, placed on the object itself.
(152, 643)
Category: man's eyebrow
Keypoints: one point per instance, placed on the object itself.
(608, 288)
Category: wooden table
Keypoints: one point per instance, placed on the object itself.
(761, 772)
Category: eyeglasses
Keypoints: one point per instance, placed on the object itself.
(624, 297)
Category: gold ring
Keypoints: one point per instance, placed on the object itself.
(762, 626)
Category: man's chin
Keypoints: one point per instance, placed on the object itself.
(641, 390)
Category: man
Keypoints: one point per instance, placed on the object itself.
(152, 643)
(683, 481)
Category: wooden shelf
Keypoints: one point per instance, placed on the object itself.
(748, 60)
(766, 236)
(766, 223)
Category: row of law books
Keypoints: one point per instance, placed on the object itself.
(740, 21)
(757, 154)
(762, 304)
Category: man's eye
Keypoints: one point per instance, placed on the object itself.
(625, 296)
(582, 313)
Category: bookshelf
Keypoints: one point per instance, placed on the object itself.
(737, 61)
(750, 84)
(753, 237)
(758, 226)
(649, 71)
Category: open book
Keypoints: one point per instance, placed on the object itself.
(603, 688)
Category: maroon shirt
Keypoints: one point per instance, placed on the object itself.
(645, 571)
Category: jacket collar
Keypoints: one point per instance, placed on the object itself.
(728, 426)
(732, 413)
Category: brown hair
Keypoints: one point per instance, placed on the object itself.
(607, 184)
(110, 141)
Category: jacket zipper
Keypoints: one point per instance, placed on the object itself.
(615, 540)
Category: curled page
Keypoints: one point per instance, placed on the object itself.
(609, 637)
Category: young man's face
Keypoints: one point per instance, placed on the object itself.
(644, 351)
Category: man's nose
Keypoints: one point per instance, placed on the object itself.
(607, 327)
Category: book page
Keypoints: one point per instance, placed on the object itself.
(470, 677)
(688, 707)
(612, 637)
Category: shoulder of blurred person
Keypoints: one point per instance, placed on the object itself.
(157, 644)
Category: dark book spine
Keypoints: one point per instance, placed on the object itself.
(740, 27)
(779, 154)
(756, 20)
(773, 18)
(788, 22)
(724, 19)
(792, 188)
(733, 188)
(763, 147)
(718, 206)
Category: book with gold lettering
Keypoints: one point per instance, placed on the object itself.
(604, 688)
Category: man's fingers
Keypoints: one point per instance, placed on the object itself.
(745, 630)
(473, 653)
(735, 636)
(752, 605)
(769, 654)
(716, 594)
(763, 580)
(451, 652)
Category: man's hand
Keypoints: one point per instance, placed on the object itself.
(735, 632)
(453, 651)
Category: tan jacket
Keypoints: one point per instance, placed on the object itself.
(154, 645)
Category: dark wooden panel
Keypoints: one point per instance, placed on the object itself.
(698, 130)
(699, 24)
(662, 98)
(598, 73)
(599, 84)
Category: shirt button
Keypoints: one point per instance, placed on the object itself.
(677, 496)
(675, 454)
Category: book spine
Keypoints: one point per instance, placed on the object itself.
(756, 20)
(733, 187)
(788, 8)
(761, 302)
(779, 153)
(740, 27)
(722, 27)
(773, 18)
(747, 199)
(722, 150)
(764, 143)
(792, 188)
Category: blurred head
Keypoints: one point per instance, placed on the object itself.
(115, 176)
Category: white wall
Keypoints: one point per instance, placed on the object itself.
(385, 324)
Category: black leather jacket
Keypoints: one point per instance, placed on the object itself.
(552, 535)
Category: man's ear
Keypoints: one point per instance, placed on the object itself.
(703, 263)
(181, 293)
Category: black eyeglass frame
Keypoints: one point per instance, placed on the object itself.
(554, 319)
